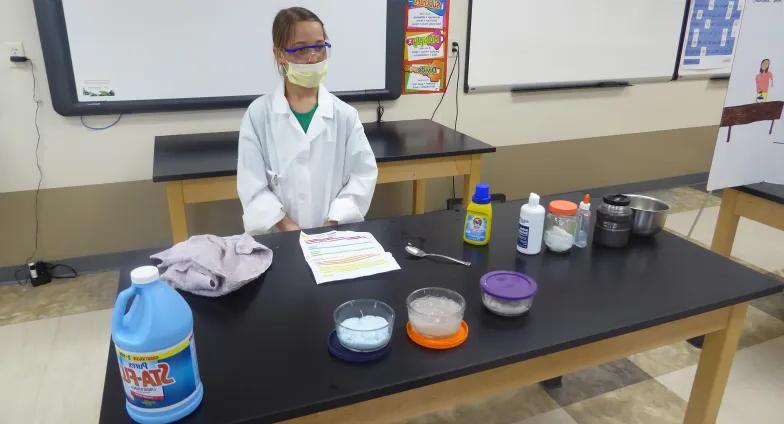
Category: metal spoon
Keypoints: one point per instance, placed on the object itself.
(419, 253)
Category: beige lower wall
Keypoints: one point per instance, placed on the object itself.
(88, 220)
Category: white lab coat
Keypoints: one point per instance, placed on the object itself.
(328, 174)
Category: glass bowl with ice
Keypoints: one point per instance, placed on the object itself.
(435, 312)
(364, 325)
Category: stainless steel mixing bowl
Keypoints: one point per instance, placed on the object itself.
(649, 214)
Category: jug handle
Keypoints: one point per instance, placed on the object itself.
(122, 302)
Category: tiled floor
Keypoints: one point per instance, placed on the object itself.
(87, 293)
(756, 385)
(54, 341)
(53, 369)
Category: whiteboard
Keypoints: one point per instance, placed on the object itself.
(710, 38)
(113, 56)
(153, 49)
(534, 43)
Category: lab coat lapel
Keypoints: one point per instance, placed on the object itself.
(324, 112)
(287, 125)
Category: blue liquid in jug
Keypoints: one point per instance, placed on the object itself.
(155, 349)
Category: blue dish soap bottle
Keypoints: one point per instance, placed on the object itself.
(156, 350)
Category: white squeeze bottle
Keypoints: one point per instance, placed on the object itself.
(583, 222)
(531, 228)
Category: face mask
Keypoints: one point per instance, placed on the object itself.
(308, 75)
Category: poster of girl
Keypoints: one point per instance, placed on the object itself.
(764, 81)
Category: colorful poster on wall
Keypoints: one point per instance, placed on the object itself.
(425, 77)
(425, 50)
(750, 144)
(428, 14)
(425, 45)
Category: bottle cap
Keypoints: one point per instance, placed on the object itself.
(617, 200)
(586, 203)
(533, 199)
(145, 275)
(562, 207)
(482, 193)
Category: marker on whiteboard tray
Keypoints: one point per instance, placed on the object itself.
(603, 84)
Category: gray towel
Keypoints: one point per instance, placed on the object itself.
(213, 266)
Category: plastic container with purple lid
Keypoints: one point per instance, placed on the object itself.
(508, 293)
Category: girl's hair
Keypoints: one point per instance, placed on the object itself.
(284, 22)
(762, 63)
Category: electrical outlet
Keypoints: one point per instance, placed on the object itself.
(14, 48)
(454, 47)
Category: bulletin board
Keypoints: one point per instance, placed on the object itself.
(710, 38)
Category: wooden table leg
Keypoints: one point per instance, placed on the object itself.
(714, 369)
(419, 197)
(771, 126)
(729, 133)
(727, 225)
(177, 218)
(472, 179)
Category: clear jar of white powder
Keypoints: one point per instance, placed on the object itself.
(560, 226)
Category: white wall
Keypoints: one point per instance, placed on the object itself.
(72, 155)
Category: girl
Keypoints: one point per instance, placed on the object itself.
(304, 159)
(764, 80)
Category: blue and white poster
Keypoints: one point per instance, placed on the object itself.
(711, 36)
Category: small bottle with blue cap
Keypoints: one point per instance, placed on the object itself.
(479, 217)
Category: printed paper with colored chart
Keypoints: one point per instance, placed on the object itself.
(343, 255)
(429, 14)
(424, 77)
(425, 45)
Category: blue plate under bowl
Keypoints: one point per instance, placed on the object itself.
(339, 351)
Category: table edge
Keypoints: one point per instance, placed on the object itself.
(351, 399)
(747, 189)
(158, 178)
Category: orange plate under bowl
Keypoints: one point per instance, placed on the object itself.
(442, 343)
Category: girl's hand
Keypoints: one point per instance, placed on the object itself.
(286, 224)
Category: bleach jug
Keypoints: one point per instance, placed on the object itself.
(155, 350)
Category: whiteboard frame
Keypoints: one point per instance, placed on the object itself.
(62, 85)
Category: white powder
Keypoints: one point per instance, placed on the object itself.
(435, 316)
(366, 334)
(506, 307)
(558, 239)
